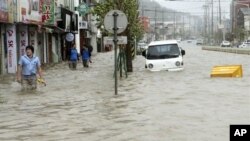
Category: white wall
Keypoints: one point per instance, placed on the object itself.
(77, 36)
(54, 50)
(94, 33)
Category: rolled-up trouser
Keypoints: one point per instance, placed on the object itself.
(85, 62)
(29, 82)
(72, 64)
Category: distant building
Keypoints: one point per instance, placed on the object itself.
(145, 22)
(236, 5)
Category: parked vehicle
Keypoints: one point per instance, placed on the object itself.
(164, 55)
(178, 40)
(199, 42)
(225, 44)
(245, 45)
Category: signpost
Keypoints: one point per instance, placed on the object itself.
(115, 22)
(121, 40)
(70, 37)
(83, 8)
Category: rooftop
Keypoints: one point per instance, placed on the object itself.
(163, 42)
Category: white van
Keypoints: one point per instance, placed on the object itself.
(164, 55)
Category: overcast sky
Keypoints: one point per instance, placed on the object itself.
(195, 6)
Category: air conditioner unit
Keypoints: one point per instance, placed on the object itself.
(83, 25)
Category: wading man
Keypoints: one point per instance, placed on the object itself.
(28, 67)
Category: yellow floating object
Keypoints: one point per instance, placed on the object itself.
(41, 81)
(227, 71)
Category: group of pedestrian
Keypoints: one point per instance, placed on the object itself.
(85, 54)
(29, 70)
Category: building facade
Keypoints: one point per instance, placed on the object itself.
(45, 25)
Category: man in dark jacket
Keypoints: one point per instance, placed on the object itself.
(90, 49)
(73, 57)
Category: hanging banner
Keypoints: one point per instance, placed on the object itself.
(23, 39)
(48, 12)
(29, 11)
(11, 44)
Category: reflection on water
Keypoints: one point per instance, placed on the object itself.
(151, 106)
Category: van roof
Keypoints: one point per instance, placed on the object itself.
(163, 42)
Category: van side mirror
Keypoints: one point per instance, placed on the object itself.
(183, 52)
(144, 53)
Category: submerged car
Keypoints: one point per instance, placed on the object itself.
(225, 44)
(164, 55)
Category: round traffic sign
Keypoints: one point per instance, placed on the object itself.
(70, 37)
(122, 21)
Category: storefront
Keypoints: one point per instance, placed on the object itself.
(8, 48)
(68, 23)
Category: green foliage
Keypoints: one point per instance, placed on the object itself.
(134, 28)
(240, 34)
(130, 8)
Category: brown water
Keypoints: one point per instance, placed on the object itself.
(151, 106)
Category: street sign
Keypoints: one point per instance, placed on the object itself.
(110, 40)
(70, 37)
(83, 8)
(122, 21)
(220, 26)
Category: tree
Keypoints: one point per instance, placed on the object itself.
(240, 33)
(134, 28)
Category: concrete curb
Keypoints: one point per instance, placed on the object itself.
(228, 50)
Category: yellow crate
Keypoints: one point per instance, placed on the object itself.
(227, 71)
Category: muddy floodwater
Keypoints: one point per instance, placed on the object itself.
(151, 106)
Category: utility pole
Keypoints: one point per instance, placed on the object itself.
(142, 11)
(212, 29)
(183, 27)
(163, 27)
(174, 24)
(155, 24)
(209, 25)
(115, 47)
(205, 19)
(189, 25)
(219, 12)
(221, 30)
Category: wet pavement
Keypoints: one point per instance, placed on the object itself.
(151, 106)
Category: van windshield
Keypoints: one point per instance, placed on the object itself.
(163, 51)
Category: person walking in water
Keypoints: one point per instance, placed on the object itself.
(85, 56)
(73, 57)
(28, 67)
(90, 49)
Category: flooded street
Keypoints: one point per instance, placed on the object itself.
(151, 106)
